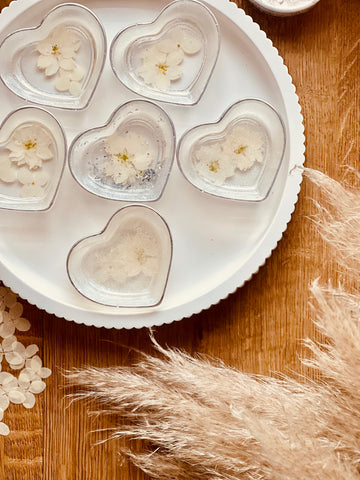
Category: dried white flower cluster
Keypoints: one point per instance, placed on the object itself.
(128, 158)
(136, 253)
(21, 389)
(58, 52)
(161, 62)
(240, 149)
(28, 147)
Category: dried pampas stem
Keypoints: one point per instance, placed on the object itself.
(339, 222)
(203, 420)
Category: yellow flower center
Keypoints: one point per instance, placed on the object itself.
(30, 144)
(240, 149)
(140, 255)
(214, 166)
(124, 156)
(162, 68)
(55, 50)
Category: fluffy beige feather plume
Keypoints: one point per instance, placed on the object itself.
(203, 420)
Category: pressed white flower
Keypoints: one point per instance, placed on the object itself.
(129, 157)
(30, 146)
(6, 346)
(180, 39)
(161, 62)
(58, 50)
(31, 380)
(16, 396)
(244, 146)
(213, 164)
(7, 382)
(135, 254)
(57, 57)
(35, 366)
(4, 400)
(15, 315)
(7, 297)
(159, 68)
(20, 355)
(33, 183)
(7, 327)
(7, 170)
(70, 81)
(4, 429)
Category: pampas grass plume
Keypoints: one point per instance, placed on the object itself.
(203, 420)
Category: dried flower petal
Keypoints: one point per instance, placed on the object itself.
(62, 83)
(44, 372)
(7, 171)
(16, 310)
(37, 386)
(77, 75)
(22, 324)
(35, 363)
(3, 291)
(4, 429)
(75, 88)
(8, 344)
(4, 401)
(14, 358)
(4, 376)
(29, 400)
(17, 396)
(9, 383)
(31, 350)
(10, 299)
(24, 380)
(7, 329)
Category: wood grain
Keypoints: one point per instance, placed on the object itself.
(257, 329)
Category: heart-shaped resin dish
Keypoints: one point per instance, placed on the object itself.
(239, 156)
(172, 58)
(32, 159)
(128, 263)
(57, 63)
(130, 157)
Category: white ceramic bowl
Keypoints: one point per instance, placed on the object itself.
(284, 10)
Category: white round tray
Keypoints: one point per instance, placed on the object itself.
(218, 244)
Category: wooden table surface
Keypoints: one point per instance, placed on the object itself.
(257, 329)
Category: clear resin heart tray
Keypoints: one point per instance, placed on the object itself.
(128, 263)
(218, 243)
(237, 157)
(57, 63)
(32, 159)
(130, 157)
(171, 58)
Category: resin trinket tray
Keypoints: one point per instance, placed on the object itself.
(128, 263)
(183, 42)
(64, 53)
(218, 243)
(32, 159)
(129, 158)
(237, 157)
